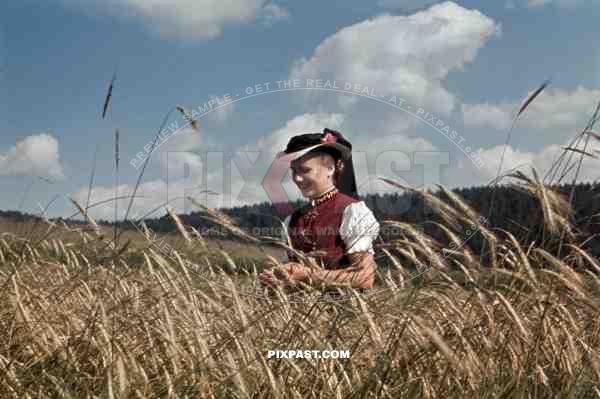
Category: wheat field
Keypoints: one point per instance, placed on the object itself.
(80, 318)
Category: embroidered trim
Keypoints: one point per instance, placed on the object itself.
(324, 197)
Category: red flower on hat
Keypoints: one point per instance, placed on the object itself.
(329, 138)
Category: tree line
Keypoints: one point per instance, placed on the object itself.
(513, 210)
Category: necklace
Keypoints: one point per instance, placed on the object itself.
(324, 197)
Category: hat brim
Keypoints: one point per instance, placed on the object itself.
(344, 152)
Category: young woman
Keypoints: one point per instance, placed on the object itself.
(336, 228)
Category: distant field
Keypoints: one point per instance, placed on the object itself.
(39, 231)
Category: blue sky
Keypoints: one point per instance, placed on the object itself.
(468, 62)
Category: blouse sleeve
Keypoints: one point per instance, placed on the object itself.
(359, 228)
(285, 237)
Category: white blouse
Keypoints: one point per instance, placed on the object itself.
(358, 229)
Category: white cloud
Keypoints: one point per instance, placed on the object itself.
(411, 160)
(181, 149)
(277, 140)
(487, 115)
(393, 134)
(36, 155)
(512, 158)
(157, 193)
(272, 13)
(541, 160)
(399, 142)
(188, 19)
(552, 109)
(148, 196)
(408, 56)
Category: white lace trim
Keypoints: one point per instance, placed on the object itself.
(358, 228)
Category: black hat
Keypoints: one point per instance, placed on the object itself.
(329, 141)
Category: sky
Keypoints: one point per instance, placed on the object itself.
(426, 92)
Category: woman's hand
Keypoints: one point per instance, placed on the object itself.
(360, 273)
(287, 275)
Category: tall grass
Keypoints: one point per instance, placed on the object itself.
(145, 324)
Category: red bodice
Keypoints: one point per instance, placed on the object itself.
(318, 229)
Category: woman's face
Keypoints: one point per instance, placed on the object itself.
(313, 174)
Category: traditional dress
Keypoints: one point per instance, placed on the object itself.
(331, 227)
(337, 223)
